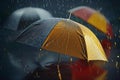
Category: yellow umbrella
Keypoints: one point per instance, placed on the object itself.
(71, 38)
(64, 36)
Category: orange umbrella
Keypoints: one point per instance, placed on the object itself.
(71, 38)
(94, 18)
(66, 37)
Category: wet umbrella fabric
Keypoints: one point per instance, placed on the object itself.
(76, 39)
(22, 18)
(93, 17)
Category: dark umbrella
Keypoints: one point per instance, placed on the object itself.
(23, 17)
(20, 19)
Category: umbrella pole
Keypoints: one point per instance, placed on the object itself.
(58, 68)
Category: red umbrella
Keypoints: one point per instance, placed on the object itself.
(93, 17)
(82, 70)
(107, 45)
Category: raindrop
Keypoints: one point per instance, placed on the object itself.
(115, 43)
(117, 65)
(109, 47)
(115, 35)
(71, 59)
(118, 56)
(40, 49)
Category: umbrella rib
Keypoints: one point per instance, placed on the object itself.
(67, 42)
(82, 45)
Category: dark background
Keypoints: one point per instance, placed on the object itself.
(59, 8)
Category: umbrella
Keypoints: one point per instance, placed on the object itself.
(63, 36)
(23, 17)
(94, 18)
(81, 70)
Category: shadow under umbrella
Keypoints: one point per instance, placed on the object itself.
(21, 60)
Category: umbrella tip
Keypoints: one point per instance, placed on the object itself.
(69, 16)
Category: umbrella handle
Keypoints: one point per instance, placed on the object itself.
(58, 67)
(59, 74)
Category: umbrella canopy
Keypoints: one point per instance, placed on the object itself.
(64, 36)
(93, 17)
(23, 17)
